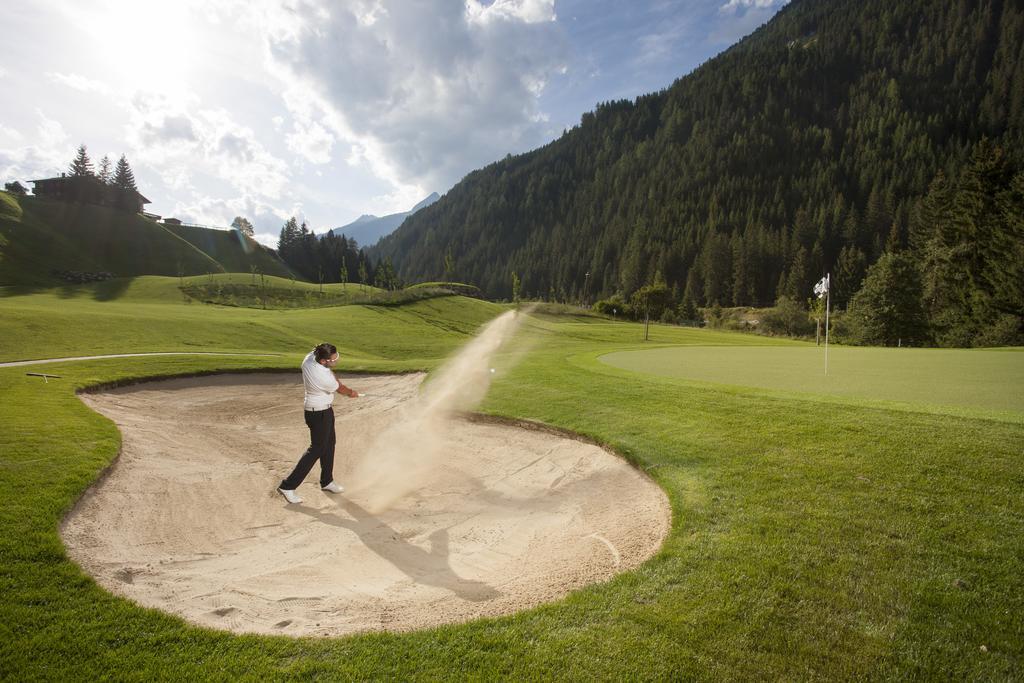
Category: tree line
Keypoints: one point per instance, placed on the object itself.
(112, 185)
(960, 280)
(331, 258)
(812, 146)
(120, 176)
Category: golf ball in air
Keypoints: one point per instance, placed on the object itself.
(492, 369)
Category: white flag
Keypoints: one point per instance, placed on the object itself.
(821, 289)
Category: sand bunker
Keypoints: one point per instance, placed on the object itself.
(188, 519)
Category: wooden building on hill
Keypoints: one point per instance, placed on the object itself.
(89, 190)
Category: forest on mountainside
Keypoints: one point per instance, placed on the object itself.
(331, 258)
(840, 131)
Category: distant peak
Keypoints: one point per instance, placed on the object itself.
(430, 199)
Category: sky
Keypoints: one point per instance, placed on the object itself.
(327, 109)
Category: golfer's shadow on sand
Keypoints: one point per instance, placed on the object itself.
(430, 568)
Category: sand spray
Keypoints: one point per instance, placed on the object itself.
(408, 453)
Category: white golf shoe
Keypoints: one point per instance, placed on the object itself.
(290, 495)
(333, 487)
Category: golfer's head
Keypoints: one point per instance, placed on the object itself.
(325, 354)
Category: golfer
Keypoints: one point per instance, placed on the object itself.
(320, 385)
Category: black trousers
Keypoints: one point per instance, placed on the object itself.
(321, 447)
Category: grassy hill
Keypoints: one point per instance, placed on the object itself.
(235, 252)
(41, 238)
(153, 314)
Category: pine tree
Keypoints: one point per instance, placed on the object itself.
(972, 259)
(687, 311)
(1006, 275)
(694, 290)
(888, 309)
(385, 276)
(716, 261)
(105, 174)
(287, 240)
(124, 179)
(798, 280)
(932, 211)
(81, 166)
(849, 273)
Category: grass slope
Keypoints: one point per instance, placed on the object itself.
(148, 315)
(39, 236)
(860, 543)
(235, 252)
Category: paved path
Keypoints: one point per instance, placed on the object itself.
(132, 355)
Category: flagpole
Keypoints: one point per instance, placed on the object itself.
(828, 300)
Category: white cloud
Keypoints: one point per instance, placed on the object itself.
(421, 93)
(9, 136)
(48, 156)
(179, 139)
(311, 141)
(368, 16)
(218, 212)
(79, 82)
(662, 44)
(739, 18)
(734, 6)
(529, 11)
(3, 72)
(267, 239)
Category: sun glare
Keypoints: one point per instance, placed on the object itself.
(145, 44)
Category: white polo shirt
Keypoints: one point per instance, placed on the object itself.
(319, 382)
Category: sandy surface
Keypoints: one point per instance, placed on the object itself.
(188, 519)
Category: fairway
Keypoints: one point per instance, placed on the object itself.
(984, 379)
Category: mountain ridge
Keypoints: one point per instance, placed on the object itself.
(808, 142)
(368, 228)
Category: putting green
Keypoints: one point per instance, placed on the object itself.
(989, 379)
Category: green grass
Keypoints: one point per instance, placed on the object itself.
(149, 315)
(233, 251)
(991, 380)
(855, 543)
(40, 236)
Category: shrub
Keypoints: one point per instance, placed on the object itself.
(613, 305)
(788, 318)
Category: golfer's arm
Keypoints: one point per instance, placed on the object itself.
(342, 389)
